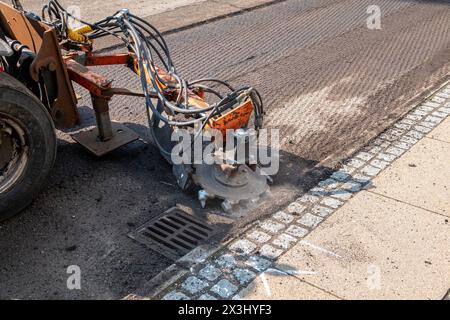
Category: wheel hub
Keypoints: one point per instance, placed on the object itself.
(230, 176)
(232, 184)
(6, 148)
(13, 153)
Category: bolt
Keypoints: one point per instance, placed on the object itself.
(227, 206)
(254, 202)
(202, 197)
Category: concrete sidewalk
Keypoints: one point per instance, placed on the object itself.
(165, 15)
(377, 228)
(94, 10)
(391, 241)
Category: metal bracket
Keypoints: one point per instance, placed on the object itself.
(107, 136)
(17, 5)
(90, 140)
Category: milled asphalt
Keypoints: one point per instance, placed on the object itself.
(329, 83)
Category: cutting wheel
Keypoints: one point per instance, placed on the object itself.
(230, 183)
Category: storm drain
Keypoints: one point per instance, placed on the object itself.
(173, 234)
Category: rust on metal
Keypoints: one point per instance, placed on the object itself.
(93, 82)
(110, 59)
(64, 107)
(42, 40)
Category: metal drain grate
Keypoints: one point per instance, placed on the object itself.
(173, 234)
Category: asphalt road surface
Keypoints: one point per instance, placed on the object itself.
(330, 85)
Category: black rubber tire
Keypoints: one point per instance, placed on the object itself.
(17, 102)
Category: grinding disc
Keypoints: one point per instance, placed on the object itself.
(243, 184)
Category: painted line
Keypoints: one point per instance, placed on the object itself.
(306, 243)
(265, 284)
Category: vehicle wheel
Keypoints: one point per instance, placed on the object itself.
(27, 146)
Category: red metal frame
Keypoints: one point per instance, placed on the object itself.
(105, 60)
(100, 86)
(102, 91)
(95, 83)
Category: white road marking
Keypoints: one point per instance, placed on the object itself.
(306, 243)
(265, 284)
(292, 272)
(303, 273)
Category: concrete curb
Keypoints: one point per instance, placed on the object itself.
(190, 16)
(220, 272)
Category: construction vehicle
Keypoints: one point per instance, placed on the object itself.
(41, 57)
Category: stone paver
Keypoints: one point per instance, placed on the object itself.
(244, 275)
(271, 226)
(376, 248)
(224, 288)
(259, 236)
(295, 208)
(258, 263)
(310, 221)
(296, 231)
(194, 285)
(321, 211)
(284, 241)
(176, 296)
(270, 252)
(285, 217)
(243, 246)
(206, 297)
(210, 273)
